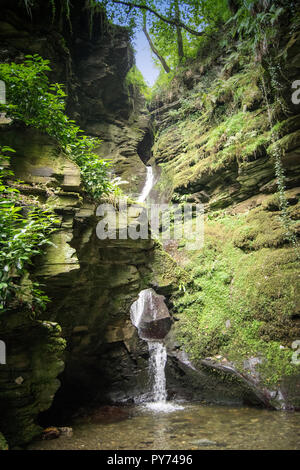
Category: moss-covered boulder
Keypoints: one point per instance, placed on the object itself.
(28, 380)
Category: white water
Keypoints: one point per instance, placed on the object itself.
(157, 363)
(148, 185)
(157, 357)
(137, 308)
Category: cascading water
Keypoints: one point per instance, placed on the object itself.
(150, 316)
(157, 363)
(148, 185)
(138, 307)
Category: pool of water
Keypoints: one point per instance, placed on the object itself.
(180, 427)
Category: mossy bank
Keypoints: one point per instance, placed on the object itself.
(217, 126)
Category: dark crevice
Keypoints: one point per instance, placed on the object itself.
(144, 148)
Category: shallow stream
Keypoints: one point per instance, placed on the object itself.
(181, 427)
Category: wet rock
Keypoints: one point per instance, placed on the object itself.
(204, 442)
(151, 315)
(19, 380)
(109, 414)
(28, 381)
(50, 433)
(66, 431)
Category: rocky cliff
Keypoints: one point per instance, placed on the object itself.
(81, 274)
(215, 145)
(234, 304)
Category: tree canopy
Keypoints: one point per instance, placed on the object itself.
(172, 27)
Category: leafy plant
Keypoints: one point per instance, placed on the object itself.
(39, 104)
(277, 153)
(135, 79)
(24, 233)
(257, 21)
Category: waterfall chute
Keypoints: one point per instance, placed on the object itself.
(150, 315)
(148, 185)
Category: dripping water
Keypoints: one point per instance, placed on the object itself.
(148, 185)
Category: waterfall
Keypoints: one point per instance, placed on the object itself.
(144, 312)
(138, 307)
(148, 185)
(157, 363)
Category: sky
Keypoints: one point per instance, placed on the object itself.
(144, 60)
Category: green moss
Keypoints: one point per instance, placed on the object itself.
(287, 126)
(241, 303)
(216, 142)
(3, 443)
(166, 273)
(288, 142)
(217, 122)
(192, 148)
(164, 186)
(262, 230)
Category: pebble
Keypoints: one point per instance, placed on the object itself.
(66, 431)
(50, 433)
(19, 380)
(204, 442)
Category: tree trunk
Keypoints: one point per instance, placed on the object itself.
(155, 51)
(179, 33)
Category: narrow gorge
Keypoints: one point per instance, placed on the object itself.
(147, 323)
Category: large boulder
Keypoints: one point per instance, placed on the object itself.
(151, 315)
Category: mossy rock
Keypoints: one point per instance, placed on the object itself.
(3, 443)
(244, 295)
(38, 160)
(167, 275)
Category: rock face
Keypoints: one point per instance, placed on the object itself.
(3, 443)
(92, 63)
(92, 283)
(239, 315)
(27, 386)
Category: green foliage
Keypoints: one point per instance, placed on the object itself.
(135, 79)
(240, 304)
(200, 15)
(275, 150)
(195, 15)
(24, 233)
(37, 103)
(257, 22)
(3, 443)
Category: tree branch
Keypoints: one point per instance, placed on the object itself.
(173, 22)
(155, 51)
